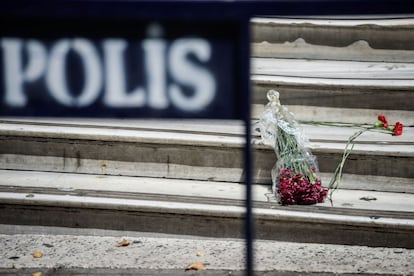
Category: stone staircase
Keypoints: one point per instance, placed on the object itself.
(186, 177)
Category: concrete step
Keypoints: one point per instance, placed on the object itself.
(74, 252)
(357, 51)
(324, 65)
(386, 33)
(211, 209)
(187, 150)
(311, 114)
(335, 84)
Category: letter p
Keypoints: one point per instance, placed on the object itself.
(14, 73)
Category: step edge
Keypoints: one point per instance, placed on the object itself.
(202, 140)
(383, 84)
(359, 50)
(203, 210)
(148, 136)
(406, 22)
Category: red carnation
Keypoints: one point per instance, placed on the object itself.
(398, 129)
(294, 188)
(383, 120)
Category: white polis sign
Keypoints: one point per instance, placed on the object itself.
(181, 76)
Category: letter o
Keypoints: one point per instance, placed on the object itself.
(56, 77)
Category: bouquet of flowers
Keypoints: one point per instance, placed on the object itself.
(294, 176)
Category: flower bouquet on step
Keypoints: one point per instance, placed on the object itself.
(294, 176)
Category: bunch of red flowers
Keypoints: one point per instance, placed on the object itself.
(397, 129)
(295, 188)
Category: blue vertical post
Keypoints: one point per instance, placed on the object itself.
(249, 219)
(248, 157)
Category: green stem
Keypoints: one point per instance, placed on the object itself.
(337, 178)
(316, 123)
(292, 155)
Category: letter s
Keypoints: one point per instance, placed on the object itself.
(187, 73)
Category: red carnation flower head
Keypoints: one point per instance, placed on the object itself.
(295, 188)
(383, 121)
(398, 129)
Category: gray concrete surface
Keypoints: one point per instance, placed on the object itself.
(210, 209)
(94, 252)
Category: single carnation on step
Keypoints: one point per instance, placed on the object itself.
(382, 121)
(398, 129)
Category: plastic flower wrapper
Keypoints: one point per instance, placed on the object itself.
(294, 176)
